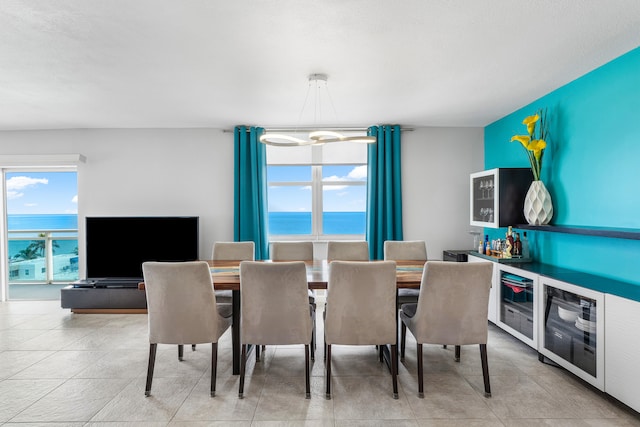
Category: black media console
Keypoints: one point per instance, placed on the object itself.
(95, 296)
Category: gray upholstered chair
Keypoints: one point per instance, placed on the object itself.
(348, 251)
(408, 250)
(451, 310)
(232, 251)
(296, 251)
(361, 310)
(182, 310)
(275, 309)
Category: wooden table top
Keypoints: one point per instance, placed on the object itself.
(226, 274)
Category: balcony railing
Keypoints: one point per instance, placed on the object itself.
(43, 256)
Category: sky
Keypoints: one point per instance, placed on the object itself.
(42, 193)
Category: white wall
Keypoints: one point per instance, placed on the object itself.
(190, 172)
(436, 163)
(145, 172)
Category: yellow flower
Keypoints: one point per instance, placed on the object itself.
(535, 142)
(522, 139)
(530, 122)
(537, 145)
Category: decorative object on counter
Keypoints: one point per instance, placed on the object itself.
(517, 245)
(538, 207)
(508, 247)
(526, 253)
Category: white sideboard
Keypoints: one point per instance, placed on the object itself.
(622, 350)
(616, 349)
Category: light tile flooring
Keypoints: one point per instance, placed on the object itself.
(64, 369)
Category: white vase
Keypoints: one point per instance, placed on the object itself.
(538, 209)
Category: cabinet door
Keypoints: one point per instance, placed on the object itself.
(622, 350)
(492, 293)
(517, 303)
(572, 334)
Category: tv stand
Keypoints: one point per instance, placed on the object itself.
(88, 297)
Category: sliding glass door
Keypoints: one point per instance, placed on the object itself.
(40, 232)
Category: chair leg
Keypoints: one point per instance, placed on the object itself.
(152, 362)
(403, 339)
(485, 370)
(457, 353)
(257, 353)
(214, 367)
(328, 369)
(180, 352)
(243, 364)
(394, 369)
(306, 371)
(420, 372)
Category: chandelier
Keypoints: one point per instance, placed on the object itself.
(315, 137)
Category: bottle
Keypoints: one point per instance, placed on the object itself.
(509, 251)
(487, 245)
(480, 246)
(525, 246)
(517, 246)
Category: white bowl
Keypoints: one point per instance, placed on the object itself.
(567, 315)
(586, 323)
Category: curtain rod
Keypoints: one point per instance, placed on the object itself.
(309, 128)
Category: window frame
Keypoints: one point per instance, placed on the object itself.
(317, 185)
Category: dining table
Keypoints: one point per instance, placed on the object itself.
(226, 276)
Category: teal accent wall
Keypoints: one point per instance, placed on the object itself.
(591, 167)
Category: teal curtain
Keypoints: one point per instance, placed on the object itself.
(384, 190)
(250, 189)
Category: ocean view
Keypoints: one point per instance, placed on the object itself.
(333, 223)
(26, 249)
(42, 222)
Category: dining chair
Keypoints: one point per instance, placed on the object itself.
(182, 309)
(408, 250)
(231, 251)
(275, 309)
(361, 310)
(452, 310)
(297, 251)
(347, 250)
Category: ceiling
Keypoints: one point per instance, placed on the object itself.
(219, 63)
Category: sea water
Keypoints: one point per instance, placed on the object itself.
(40, 223)
(300, 223)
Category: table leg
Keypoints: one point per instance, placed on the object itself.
(387, 349)
(235, 331)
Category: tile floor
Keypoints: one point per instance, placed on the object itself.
(63, 369)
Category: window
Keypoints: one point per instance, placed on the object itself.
(317, 192)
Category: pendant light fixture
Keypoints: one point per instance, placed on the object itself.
(316, 82)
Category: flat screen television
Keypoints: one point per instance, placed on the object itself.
(117, 246)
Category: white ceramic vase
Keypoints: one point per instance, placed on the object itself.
(538, 208)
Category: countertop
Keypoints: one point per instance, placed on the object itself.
(578, 278)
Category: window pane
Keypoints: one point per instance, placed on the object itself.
(289, 209)
(344, 209)
(288, 173)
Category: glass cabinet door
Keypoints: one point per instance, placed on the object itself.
(483, 206)
(517, 303)
(572, 328)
